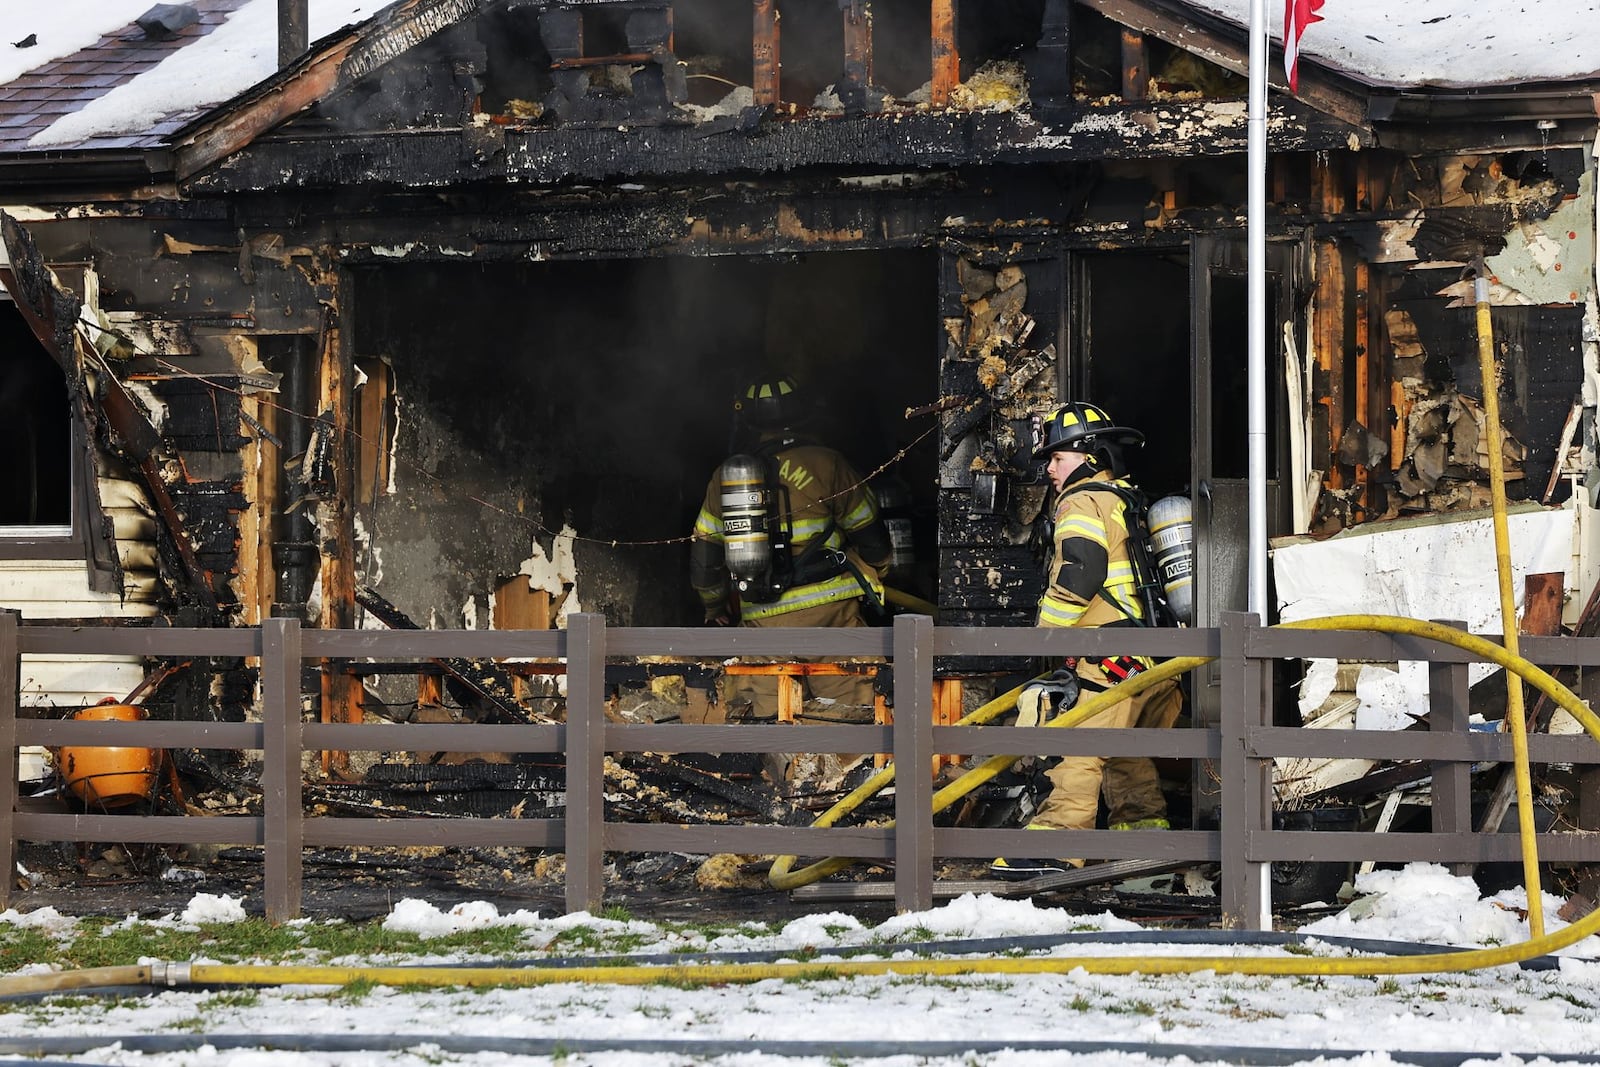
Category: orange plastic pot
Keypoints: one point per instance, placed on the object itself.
(109, 777)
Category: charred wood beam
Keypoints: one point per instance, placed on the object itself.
(766, 53)
(1050, 64)
(856, 84)
(1135, 65)
(946, 52)
(1223, 44)
(419, 159)
(471, 682)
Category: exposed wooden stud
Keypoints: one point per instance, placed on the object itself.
(1363, 374)
(341, 693)
(373, 430)
(1328, 330)
(946, 52)
(765, 53)
(1135, 65)
(857, 80)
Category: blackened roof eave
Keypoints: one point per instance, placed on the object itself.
(330, 63)
(72, 173)
(532, 155)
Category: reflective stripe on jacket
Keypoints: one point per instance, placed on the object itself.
(1091, 580)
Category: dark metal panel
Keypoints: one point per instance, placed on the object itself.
(138, 641)
(753, 738)
(150, 829)
(453, 833)
(1448, 707)
(1392, 745)
(865, 842)
(435, 644)
(281, 777)
(1244, 780)
(1406, 848)
(147, 734)
(1030, 640)
(586, 757)
(1282, 643)
(1092, 844)
(433, 737)
(1052, 741)
(863, 642)
(913, 750)
(10, 678)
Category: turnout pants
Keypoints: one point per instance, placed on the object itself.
(1130, 784)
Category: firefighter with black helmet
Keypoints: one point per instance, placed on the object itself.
(788, 535)
(1091, 582)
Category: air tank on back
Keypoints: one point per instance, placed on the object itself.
(743, 481)
(1172, 539)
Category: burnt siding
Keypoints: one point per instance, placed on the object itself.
(989, 574)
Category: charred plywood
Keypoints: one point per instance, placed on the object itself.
(996, 378)
(915, 140)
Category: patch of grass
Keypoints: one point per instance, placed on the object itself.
(20, 946)
(1388, 987)
(1295, 949)
(487, 941)
(238, 998)
(617, 913)
(355, 991)
(1081, 1003)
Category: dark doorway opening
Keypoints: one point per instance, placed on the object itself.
(597, 396)
(1132, 357)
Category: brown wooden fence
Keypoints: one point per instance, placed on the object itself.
(1241, 748)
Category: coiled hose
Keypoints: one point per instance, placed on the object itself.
(204, 974)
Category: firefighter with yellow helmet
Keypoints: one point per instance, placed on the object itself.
(788, 535)
(1091, 582)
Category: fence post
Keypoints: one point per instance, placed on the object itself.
(10, 678)
(282, 729)
(913, 758)
(586, 761)
(1246, 805)
(1448, 709)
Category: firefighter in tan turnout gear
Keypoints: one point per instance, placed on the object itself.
(1091, 582)
(788, 535)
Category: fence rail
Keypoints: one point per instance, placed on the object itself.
(1241, 749)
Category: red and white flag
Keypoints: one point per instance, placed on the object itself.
(1297, 15)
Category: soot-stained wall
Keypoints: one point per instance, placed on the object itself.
(597, 396)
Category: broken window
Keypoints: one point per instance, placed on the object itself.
(35, 437)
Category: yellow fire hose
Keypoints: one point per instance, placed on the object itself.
(204, 974)
(1516, 722)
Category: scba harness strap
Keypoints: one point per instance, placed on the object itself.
(1117, 668)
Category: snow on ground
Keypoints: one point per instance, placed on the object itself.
(1503, 1010)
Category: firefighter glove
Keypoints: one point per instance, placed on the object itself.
(1044, 698)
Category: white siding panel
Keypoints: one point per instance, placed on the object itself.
(59, 589)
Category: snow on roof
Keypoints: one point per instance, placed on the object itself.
(58, 28)
(1443, 43)
(212, 69)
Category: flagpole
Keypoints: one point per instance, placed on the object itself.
(1256, 280)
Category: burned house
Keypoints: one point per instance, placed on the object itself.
(446, 300)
